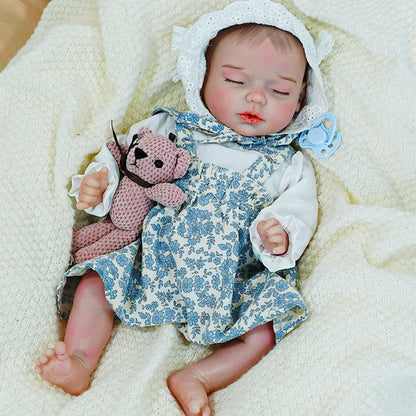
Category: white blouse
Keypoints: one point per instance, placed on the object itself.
(292, 187)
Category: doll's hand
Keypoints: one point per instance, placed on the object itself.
(92, 189)
(273, 236)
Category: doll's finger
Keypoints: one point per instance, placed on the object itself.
(279, 250)
(263, 226)
(86, 201)
(103, 175)
(276, 239)
(82, 205)
(92, 191)
(96, 177)
(271, 222)
(91, 183)
(260, 227)
(270, 227)
(277, 229)
(91, 201)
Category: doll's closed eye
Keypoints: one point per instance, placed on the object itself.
(233, 81)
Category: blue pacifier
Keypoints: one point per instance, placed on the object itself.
(323, 141)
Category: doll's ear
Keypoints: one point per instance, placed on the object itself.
(182, 163)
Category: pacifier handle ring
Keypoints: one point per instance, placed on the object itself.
(323, 117)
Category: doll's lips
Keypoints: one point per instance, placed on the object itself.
(251, 117)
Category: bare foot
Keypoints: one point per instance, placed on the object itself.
(65, 371)
(189, 390)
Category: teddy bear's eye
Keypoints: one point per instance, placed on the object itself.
(158, 163)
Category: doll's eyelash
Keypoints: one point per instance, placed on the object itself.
(280, 92)
(233, 81)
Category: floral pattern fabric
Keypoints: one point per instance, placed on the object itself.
(194, 265)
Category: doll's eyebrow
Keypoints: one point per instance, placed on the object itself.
(285, 78)
(233, 67)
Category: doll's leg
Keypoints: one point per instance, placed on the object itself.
(70, 364)
(225, 365)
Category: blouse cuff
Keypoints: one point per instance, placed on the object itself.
(274, 262)
(103, 208)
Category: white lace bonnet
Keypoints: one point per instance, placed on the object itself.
(191, 45)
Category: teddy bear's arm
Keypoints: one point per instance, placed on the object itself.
(167, 194)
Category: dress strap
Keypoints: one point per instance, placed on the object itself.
(269, 162)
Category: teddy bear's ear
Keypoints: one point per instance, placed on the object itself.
(182, 163)
(142, 131)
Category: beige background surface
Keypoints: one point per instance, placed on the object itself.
(18, 19)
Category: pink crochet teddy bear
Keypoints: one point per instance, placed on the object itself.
(146, 166)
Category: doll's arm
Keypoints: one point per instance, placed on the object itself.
(295, 208)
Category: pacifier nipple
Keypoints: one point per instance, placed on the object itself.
(316, 136)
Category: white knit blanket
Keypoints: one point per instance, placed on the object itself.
(92, 61)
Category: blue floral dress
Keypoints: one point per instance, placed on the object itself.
(194, 265)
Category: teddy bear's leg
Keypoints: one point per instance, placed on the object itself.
(85, 236)
(113, 241)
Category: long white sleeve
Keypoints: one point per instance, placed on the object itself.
(295, 207)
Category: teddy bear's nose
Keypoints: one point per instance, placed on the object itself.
(139, 153)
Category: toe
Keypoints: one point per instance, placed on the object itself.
(206, 411)
(198, 407)
(49, 353)
(61, 352)
(190, 393)
(194, 407)
(43, 360)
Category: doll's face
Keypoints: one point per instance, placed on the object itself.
(254, 88)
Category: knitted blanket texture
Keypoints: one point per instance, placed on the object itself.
(92, 61)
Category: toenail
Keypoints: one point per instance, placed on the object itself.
(194, 407)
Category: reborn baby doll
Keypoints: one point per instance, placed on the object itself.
(222, 266)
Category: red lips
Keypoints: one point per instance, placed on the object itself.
(251, 117)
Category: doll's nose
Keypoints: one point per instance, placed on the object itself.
(257, 97)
